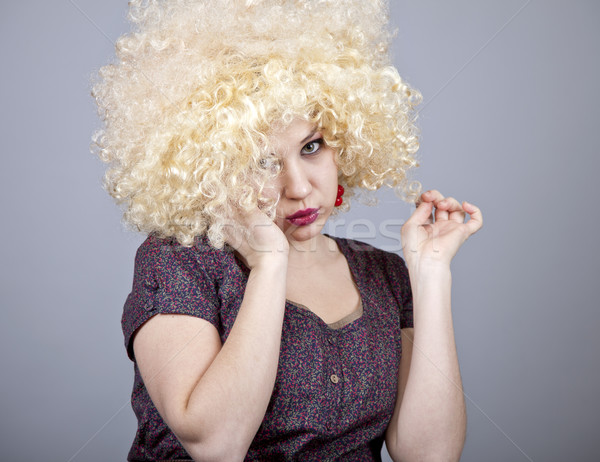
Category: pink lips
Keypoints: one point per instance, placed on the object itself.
(303, 217)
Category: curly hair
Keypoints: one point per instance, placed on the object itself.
(197, 84)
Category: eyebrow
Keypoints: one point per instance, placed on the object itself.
(310, 135)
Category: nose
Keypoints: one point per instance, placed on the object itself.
(297, 185)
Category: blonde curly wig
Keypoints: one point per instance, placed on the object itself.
(197, 85)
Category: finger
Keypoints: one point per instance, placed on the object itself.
(233, 233)
(422, 214)
(437, 198)
(440, 213)
(444, 207)
(433, 195)
(475, 217)
(454, 209)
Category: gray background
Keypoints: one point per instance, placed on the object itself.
(509, 121)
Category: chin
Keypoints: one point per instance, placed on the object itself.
(305, 233)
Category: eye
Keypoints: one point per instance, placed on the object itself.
(313, 146)
(270, 163)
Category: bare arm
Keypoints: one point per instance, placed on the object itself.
(213, 396)
(429, 421)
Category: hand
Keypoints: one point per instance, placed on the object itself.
(255, 238)
(434, 238)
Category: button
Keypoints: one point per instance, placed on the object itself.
(149, 306)
(332, 340)
(334, 378)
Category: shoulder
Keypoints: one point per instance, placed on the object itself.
(173, 279)
(165, 255)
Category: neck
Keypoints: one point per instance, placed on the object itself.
(307, 253)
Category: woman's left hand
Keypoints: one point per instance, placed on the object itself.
(436, 230)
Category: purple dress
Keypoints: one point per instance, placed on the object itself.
(335, 388)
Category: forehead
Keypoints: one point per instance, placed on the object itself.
(296, 133)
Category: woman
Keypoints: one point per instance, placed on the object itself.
(234, 130)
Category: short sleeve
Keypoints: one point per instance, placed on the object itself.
(169, 279)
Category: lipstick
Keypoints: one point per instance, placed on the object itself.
(303, 217)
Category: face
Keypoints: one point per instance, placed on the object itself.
(307, 184)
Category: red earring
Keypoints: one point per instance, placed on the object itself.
(340, 193)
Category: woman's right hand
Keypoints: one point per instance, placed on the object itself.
(256, 238)
(213, 395)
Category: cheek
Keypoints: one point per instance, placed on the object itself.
(331, 180)
(331, 186)
(274, 191)
(271, 191)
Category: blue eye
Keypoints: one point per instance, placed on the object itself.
(312, 146)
